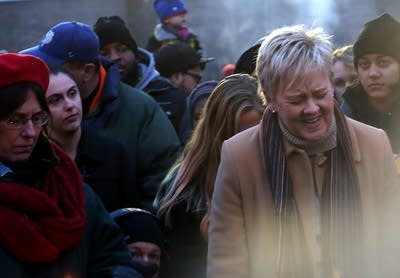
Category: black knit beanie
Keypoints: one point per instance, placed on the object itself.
(380, 35)
(140, 225)
(113, 29)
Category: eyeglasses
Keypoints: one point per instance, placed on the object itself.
(197, 77)
(17, 122)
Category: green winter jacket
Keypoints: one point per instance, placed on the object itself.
(135, 119)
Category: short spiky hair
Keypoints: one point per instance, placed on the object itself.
(289, 53)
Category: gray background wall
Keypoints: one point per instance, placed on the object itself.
(225, 27)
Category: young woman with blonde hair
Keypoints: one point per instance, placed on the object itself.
(184, 200)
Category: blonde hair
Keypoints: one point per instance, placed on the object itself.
(289, 53)
(196, 169)
(344, 54)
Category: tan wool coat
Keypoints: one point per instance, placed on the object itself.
(243, 241)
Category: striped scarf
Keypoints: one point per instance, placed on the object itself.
(340, 207)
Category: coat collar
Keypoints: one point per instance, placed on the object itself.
(355, 147)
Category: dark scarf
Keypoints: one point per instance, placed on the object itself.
(41, 220)
(340, 207)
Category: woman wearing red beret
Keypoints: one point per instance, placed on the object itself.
(52, 225)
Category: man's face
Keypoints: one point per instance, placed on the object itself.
(191, 78)
(85, 76)
(377, 74)
(121, 55)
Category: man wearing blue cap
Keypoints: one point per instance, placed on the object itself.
(114, 108)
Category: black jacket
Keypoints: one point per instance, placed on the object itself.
(357, 106)
(171, 99)
(105, 166)
(187, 249)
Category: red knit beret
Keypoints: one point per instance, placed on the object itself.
(17, 68)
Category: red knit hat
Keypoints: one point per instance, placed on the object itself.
(17, 68)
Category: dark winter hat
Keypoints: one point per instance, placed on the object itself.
(178, 57)
(113, 29)
(380, 35)
(201, 91)
(140, 225)
(168, 8)
(247, 60)
(17, 68)
(69, 41)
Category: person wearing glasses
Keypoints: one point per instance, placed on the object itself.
(52, 224)
(182, 67)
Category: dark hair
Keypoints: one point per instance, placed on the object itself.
(12, 97)
(56, 69)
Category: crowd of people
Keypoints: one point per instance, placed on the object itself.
(118, 160)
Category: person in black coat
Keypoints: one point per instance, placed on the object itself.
(375, 98)
(103, 162)
(137, 67)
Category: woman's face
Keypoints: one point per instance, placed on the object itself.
(17, 143)
(306, 108)
(377, 74)
(65, 105)
(343, 76)
(249, 118)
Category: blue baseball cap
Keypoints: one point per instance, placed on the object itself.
(67, 42)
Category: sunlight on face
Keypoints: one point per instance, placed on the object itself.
(377, 74)
(306, 108)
